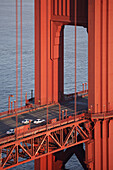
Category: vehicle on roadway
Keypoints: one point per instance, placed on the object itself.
(26, 121)
(37, 121)
(10, 132)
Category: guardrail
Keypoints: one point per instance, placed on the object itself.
(42, 128)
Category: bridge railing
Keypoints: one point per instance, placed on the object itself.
(41, 128)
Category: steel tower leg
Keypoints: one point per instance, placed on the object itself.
(105, 144)
(100, 52)
(100, 79)
(110, 145)
(48, 54)
(48, 163)
(97, 138)
(44, 163)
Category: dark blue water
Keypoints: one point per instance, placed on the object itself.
(8, 59)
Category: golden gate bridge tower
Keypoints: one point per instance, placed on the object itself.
(66, 128)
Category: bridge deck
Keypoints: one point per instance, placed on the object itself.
(41, 113)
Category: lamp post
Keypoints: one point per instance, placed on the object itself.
(82, 86)
(85, 86)
(9, 102)
(26, 97)
(11, 106)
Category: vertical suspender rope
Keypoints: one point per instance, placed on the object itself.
(16, 65)
(47, 60)
(75, 56)
(21, 46)
(16, 53)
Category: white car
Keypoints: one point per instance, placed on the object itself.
(37, 121)
(10, 132)
(26, 121)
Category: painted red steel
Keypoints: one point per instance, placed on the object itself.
(98, 151)
(21, 47)
(75, 52)
(50, 18)
(34, 145)
(110, 147)
(105, 145)
(97, 17)
(16, 53)
(46, 143)
(100, 80)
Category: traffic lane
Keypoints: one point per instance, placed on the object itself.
(53, 112)
(10, 123)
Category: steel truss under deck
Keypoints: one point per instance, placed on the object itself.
(53, 139)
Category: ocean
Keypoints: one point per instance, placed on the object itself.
(8, 59)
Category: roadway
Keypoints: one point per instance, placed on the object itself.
(53, 112)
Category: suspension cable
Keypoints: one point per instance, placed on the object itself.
(75, 55)
(47, 66)
(16, 53)
(21, 46)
